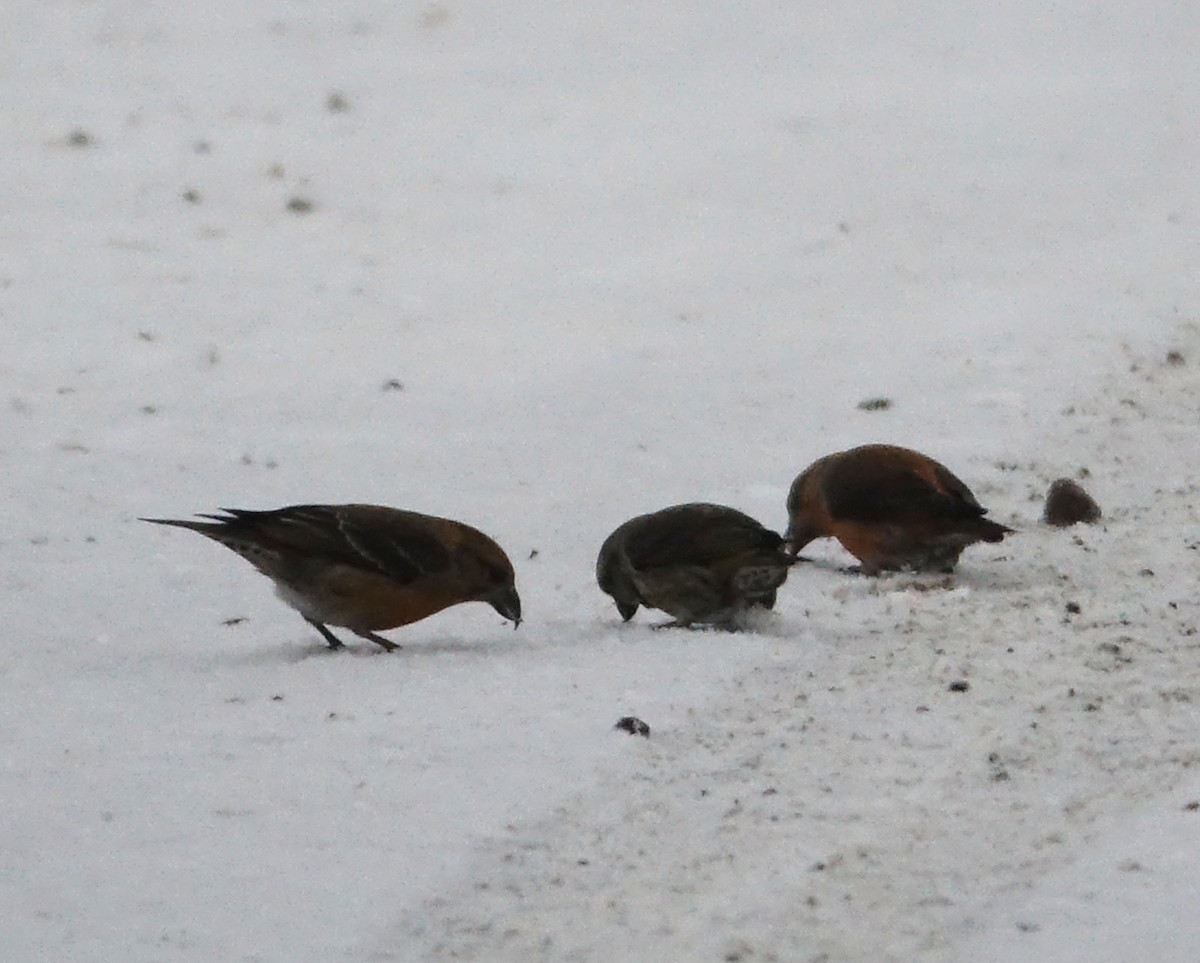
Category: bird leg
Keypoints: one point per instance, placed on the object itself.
(333, 641)
(379, 640)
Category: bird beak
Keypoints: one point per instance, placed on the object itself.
(508, 603)
(626, 609)
(799, 533)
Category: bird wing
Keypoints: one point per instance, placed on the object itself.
(891, 490)
(696, 535)
(404, 546)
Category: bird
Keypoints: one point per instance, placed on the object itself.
(365, 568)
(890, 507)
(700, 563)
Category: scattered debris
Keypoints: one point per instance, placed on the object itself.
(393, 384)
(336, 103)
(1073, 608)
(248, 460)
(959, 685)
(191, 195)
(533, 553)
(1175, 358)
(80, 138)
(1068, 503)
(236, 620)
(874, 404)
(300, 205)
(634, 726)
(1116, 651)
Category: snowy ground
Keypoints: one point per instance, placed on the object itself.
(542, 267)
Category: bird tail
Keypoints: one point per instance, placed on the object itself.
(990, 531)
(213, 528)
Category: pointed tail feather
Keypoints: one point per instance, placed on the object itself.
(212, 528)
(990, 531)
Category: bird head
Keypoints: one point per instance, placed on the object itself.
(627, 608)
(612, 575)
(803, 509)
(507, 602)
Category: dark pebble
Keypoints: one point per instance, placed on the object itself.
(633, 725)
(1068, 503)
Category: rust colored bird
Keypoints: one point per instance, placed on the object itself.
(890, 507)
(365, 568)
(700, 563)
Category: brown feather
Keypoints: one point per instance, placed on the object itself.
(366, 567)
(890, 507)
(698, 562)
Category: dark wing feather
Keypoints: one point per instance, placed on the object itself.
(398, 544)
(956, 491)
(889, 492)
(695, 535)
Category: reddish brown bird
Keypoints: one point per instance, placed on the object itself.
(365, 568)
(700, 563)
(890, 507)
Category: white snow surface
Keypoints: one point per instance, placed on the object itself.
(562, 264)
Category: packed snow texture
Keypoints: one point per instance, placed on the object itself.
(541, 267)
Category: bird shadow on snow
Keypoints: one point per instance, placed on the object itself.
(828, 574)
(657, 628)
(293, 653)
(983, 575)
(552, 634)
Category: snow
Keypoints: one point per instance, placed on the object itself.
(565, 264)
